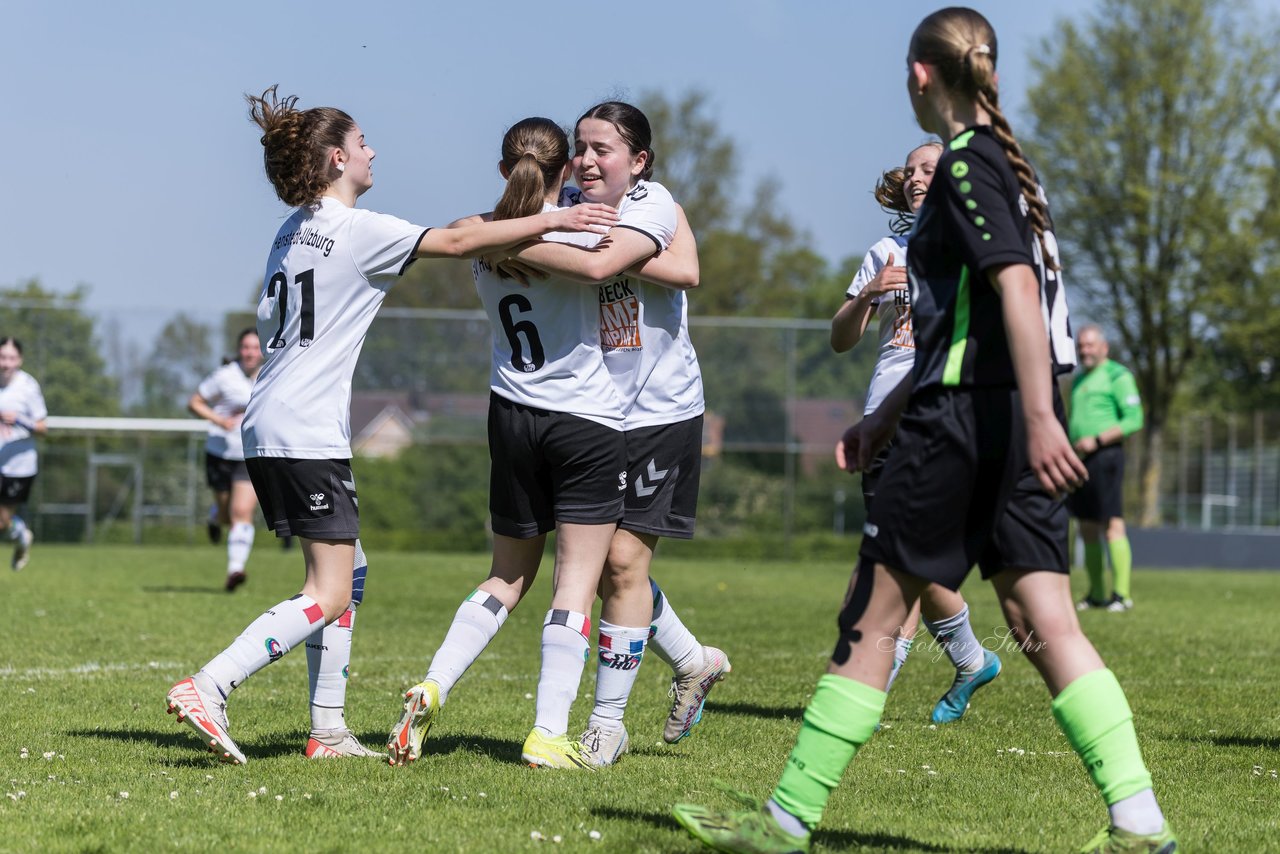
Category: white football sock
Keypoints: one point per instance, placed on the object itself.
(564, 653)
(669, 638)
(901, 648)
(239, 544)
(620, 653)
(956, 637)
(329, 656)
(475, 623)
(16, 527)
(263, 641)
(1138, 813)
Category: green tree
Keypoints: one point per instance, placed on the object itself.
(1146, 129)
(62, 350)
(181, 357)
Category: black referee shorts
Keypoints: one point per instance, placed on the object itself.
(1102, 496)
(957, 490)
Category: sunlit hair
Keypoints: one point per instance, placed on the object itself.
(961, 46)
(632, 125)
(296, 145)
(534, 152)
(891, 194)
(17, 345)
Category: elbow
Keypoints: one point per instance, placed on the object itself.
(690, 282)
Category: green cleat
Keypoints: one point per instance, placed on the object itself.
(753, 830)
(1113, 840)
(555, 751)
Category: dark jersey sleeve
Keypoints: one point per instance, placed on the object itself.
(983, 207)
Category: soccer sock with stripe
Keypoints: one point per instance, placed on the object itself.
(329, 656)
(620, 653)
(1096, 569)
(669, 638)
(1094, 714)
(1121, 564)
(475, 623)
(565, 649)
(901, 649)
(956, 637)
(841, 717)
(16, 527)
(239, 544)
(263, 641)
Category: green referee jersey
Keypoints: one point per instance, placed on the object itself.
(1103, 398)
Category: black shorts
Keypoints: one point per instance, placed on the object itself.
(219, 473)
(664, 467)
(871, 477)
(958, 490)
(315, 499)
(548, 467)
(15, 490)
(1102, 496)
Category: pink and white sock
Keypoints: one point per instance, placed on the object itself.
(565, 649)
(617, 665)
(263, 641)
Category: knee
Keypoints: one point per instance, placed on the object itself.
(1115, 528)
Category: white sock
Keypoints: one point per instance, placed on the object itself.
(901, 648)
(329, 656)
(1138, 813)
(669, 638)
(620, 653)
(956, 637)
(789, 822)
(239, 544)
(263, 641)
(16, 527)
(475, 623)
(564, 653)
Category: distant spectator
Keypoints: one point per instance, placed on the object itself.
(22, 415)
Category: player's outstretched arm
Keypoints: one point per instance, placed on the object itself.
(470, 238)
(677, 266)
(622, 249)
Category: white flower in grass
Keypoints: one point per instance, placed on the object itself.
(262, 790)
(173, 796)
(253, 794)
(528, 696)
(124, 796)
(483, 795)
(557, 839)
(536, 836)
(24, 754)
(306, 795)
(49, 754)
(279, 797)
(595, 835)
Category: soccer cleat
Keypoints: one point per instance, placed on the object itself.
(1118, 604)
(207, 715)
(214, 530)
(554, 751)
(235, 579)
(337, 744)
(749, 831)
(953, 704)
(1089, 602)
(690, 693)
(421, 707)
(1113, 840)
(22, 549)
(604, 745)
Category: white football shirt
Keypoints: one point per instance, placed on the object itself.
(893, 314)
(327, 274)
(644, 328)
(17, 446)
(546, 342)
(226, 390)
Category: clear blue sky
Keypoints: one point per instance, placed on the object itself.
(132, 167)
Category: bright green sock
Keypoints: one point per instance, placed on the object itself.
(1121, 564)
(840, 718)
(1095, 716)
(1097, 572)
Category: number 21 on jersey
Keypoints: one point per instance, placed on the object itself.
(278, 290)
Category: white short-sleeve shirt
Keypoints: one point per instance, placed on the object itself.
(893, 314)
(327, 274)
(17, 446)
(546, 342)
(226, 390)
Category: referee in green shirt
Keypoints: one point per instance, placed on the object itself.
(1105, 408)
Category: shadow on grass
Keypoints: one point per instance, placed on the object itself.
(752, 710)
(1271, 742)
(838, 840)
(173, 588)
(498, 749)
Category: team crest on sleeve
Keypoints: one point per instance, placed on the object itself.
(638, 192)
(619, 317)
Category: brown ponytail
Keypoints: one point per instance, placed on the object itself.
(296, 144)
(534, 152)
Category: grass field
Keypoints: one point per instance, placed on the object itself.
(95, 637)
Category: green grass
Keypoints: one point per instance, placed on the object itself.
(95, 636)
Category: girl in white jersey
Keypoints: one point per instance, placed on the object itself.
(880, 288)
(559, 463)
(22, 417)
(645, 334)
(328, 270)
(221, 399)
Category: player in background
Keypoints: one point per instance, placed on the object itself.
(558, 461)
(221, 399)
(981, 462)
(1105, 408)
(880, 288)
(644, 330)
(328, 269)
(22, 418)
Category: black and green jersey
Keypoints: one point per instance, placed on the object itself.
(975, 218)
(1103, 398)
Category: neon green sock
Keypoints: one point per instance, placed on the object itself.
(1121, 564)
(840, 718)
(1095, 716)
(1097, 571)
